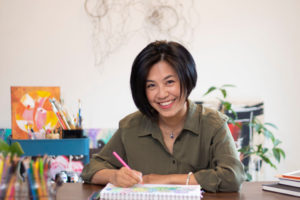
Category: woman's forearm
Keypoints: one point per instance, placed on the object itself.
(180, 179)
(103, 176)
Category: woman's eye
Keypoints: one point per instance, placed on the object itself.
(170, 82)
(150, 85)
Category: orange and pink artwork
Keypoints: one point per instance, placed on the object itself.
(32, 111)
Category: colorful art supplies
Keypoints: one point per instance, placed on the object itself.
(33, 184)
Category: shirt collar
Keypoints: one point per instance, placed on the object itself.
(192, 122)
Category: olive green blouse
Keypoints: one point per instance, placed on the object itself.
(205, 147)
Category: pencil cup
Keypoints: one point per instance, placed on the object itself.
(73, 133)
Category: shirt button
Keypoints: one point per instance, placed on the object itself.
(174, 161)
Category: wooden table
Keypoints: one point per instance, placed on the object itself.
(249, 191)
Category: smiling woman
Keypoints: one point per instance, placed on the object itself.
(170, 140)
(163, 94)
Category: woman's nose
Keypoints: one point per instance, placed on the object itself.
(163, 92)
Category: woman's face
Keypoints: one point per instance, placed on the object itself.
(163, 91)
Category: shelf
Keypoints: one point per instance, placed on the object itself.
(55, 147)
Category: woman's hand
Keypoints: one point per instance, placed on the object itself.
(125, 177)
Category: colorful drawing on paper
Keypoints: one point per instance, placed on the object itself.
(32, 111)
(151, 191)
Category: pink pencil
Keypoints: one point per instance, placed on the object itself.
(121, 160)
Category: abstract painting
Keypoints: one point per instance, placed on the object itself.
(99, 136)
(31, 110)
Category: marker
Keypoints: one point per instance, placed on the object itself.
(121, 160)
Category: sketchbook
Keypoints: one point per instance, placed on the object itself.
(290, 182)
(284, 189)
(291, 178)
(292, 175)
(151, 191)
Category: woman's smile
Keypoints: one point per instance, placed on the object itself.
(166, 104)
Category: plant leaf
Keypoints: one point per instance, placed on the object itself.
(227, 85)
(244, 149)
(276, 142)
(15, 148)
(264, 150)
(235, 115)
(259, 148)
(269, 134)
(276, 154)
(281, 152)
(247, 151)
(271, 124)
(4, 147)
(258, 127)
(224, 93)
(267, 160)
(227, 105)
(210, 90)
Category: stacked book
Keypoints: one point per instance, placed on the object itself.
(289, 183)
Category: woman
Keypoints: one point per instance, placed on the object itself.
(170, 140)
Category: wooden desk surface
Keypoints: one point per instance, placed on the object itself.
(250, 190)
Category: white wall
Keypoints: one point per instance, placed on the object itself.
(254, 45)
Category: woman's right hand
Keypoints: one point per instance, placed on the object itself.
(125, 177)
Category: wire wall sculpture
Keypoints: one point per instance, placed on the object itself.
(115, 21)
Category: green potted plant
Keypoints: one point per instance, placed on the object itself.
(261, 151)
(13, 149)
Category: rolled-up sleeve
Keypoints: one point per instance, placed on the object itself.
(226, 172)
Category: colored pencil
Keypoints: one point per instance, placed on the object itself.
(1, 166)
(31, 182)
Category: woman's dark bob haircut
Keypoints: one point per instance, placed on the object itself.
(175, 55)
